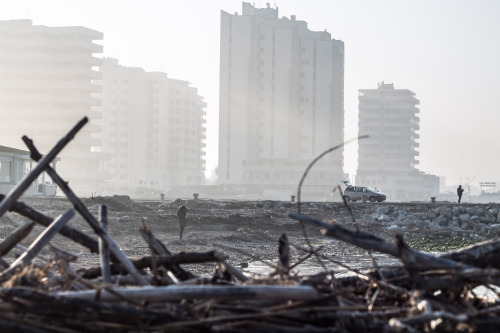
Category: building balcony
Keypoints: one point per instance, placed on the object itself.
(52, 72)
(31, 45)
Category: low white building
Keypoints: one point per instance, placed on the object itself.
(15, 164)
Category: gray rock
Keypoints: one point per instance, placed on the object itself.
(475, 211)
(484, 231)
(474, 219)
(465, 226)
(442, 220)
(383, 210)
(418, 216)
(446, 211)
(495, 229)
(455, 228)
(329, 206)
(431, 214)
(384, 218)
(494, 211)
(464, 218)
(368, 218)
(498, 218)
(455, 211)
(454, 223)
(402, 213)
(480, 229)
(478, 226)
(402, 223)
(419, 224)
(435, 226)
(393, 227)
(267, 205)
(463, 210)
(487, 219)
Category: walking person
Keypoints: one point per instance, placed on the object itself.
(460, 190)
(181, 216)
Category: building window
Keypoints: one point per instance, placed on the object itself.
(5, 171)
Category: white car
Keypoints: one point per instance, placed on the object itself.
(363, 193)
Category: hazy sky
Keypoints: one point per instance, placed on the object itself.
(446, 51)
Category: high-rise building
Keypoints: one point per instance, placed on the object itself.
(388, 158)
(281, 104)
(46, 87)
(153, 129)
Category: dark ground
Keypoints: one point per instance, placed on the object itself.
(247, 231)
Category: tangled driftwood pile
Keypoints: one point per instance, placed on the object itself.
(158, 293)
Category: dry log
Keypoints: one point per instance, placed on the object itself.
(159, 249)
(68, 309)
(38, 244)
(484, 254)
(42, 164)
(368, 241)
(175, 293)
(15, 237)
(148, 262)
(234, 271)
(66, 231)
(94, 224)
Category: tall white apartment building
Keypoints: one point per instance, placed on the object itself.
(281, 104)
(46, 86)
(388, 158)
(153, 129)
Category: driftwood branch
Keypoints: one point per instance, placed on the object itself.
(68, 232)
(103, 247)
(82, 209)
(171, 293)
(484, 254)
(159, 249)
(18, 235)
(37, 245)
(368, 241)
(80, 312)
(234, 271)
(43, 163)
(149, 261)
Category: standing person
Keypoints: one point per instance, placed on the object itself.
(460, 190)
(181, 216)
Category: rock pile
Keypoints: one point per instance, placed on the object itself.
(482, 221)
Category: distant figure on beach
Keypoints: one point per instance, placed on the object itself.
(181, 216)
(460, 190)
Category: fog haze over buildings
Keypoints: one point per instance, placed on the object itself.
(446, 52)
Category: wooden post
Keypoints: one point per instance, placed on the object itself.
(103, 247)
